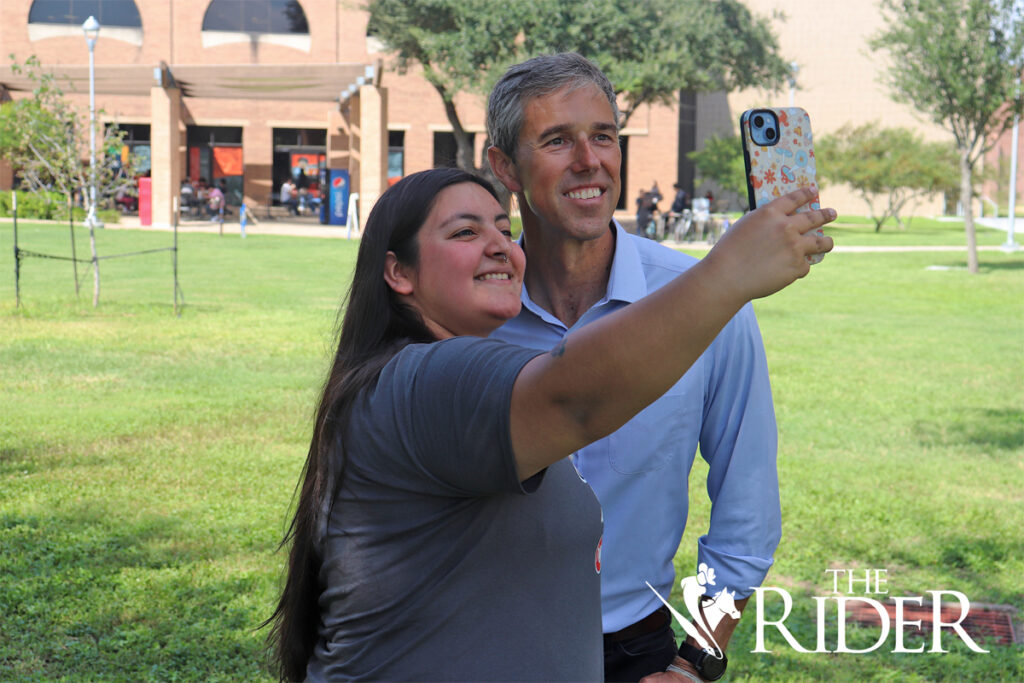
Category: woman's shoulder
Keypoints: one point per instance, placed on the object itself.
(458, 351)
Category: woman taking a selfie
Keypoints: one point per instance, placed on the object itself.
(440, 532)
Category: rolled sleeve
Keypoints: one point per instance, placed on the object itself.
(739, 440)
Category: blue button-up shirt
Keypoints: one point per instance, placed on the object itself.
(640, 472)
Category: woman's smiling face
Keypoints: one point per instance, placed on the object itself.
(469, 273)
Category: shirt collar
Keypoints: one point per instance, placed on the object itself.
(626, 280)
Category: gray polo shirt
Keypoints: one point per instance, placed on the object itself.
(438, 563)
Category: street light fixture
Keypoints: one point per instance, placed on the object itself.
(91, 29)
(794, 69)
(1011, 245)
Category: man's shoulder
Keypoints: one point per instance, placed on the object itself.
(659, 258)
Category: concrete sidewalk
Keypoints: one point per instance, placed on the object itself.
(264, 226)
(311, 228)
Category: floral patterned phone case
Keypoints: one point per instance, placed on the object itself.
(778, 153)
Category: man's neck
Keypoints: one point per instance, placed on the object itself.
(567, 277)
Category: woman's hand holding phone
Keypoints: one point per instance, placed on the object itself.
(772, 246)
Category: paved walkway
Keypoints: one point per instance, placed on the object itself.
(301, 228)
(311, 228)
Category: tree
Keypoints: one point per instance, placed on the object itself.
(959, 62)
(894, 164)
(650, 50)
(43, 137)
(720, 161)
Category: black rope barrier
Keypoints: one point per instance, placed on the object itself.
(36, 254)
(19, 254)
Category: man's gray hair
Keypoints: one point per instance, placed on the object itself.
(538, 77)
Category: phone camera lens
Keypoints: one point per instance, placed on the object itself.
(770, 134)
(759, 121)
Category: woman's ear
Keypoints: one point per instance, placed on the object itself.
(504, 168)
(395, 275)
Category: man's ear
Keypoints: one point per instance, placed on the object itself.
(504, 168)
(395, 275)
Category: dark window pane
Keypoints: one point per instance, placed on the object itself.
(75, 12)
(256, 16)
(300, 137)
(224, 15)
(210, 135)
(134, 132)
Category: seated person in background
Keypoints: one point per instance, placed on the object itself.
(290, 196)
(188, 196)
(215, 201)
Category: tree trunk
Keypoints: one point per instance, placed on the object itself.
(967, 199)
(95, 267)
(463, 145)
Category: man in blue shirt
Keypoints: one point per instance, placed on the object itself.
(553, 124)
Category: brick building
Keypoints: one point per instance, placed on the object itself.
(248, 91)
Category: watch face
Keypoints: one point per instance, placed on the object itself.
(712, 668)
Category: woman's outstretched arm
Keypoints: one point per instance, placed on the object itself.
(603, 374)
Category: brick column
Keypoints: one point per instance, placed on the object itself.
(258, 155)
(337, 140)
(6, 175)
(165, 145)
(373, 147)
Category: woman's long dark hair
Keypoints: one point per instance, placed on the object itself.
(376, 325)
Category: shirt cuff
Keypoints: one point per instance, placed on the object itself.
(739, 573)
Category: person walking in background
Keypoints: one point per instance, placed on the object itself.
(554, 126)
(644, 212)
(681, 201)
(440, 531)
(676, 221)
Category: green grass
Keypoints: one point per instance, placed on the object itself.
(147, 461)
(859, 231)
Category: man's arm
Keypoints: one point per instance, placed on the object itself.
(739, 441)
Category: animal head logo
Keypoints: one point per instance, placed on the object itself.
(706, 610)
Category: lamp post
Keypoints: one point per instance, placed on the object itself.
(794, 69)
(1010, 245)
(91, 28)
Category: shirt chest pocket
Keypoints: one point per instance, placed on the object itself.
(668, 428)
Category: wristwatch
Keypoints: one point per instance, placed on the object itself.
(710, 668)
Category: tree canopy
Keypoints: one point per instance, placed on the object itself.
(894, 165)
(958, 62)
(43, 137)
(720, 161)
(650, 50)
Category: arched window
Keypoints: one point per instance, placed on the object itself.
(119, 19)
(279, 22)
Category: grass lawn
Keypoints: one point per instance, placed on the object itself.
(147, 462)
(858, 231)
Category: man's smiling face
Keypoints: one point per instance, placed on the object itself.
(568, 162)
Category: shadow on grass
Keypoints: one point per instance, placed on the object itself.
(993, 431)
(985, 266)
(150, 600)
(19, 459)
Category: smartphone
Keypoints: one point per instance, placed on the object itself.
(778, 155)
